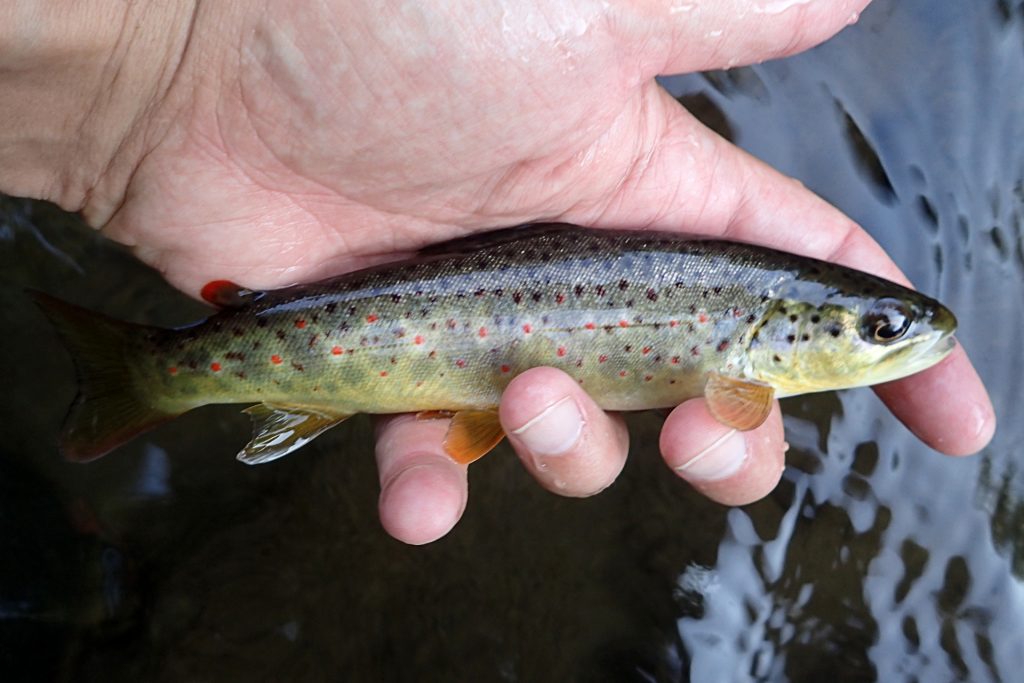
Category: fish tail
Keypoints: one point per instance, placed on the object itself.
(110, 408)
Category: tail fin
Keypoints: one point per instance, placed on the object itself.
(109, 409)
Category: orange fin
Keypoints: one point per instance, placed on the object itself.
(472, 434)
(738, 403)
(226, 294)
(434, 415)
(280, 428)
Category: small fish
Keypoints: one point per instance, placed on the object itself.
(641, 320)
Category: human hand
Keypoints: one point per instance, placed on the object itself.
(288, 143)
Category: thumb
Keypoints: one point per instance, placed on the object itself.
(696, 35)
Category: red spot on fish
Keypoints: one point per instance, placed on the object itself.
(505, 368)
(559, 298)
(737, 313)
(460, 363)
(172, 370)
(602, 358)
(371, 318)
(527, 328)
(723, 345)
(703, 317)
(337, 350)
(561, 351)
(418, 339)
(623, 323)
(622, 373)
(383, 373)
(590, 326)
(673, 323)
(215, 367)
(482, 332)
(646, 350)
(300, 324)
(648, 378)
(275, 359)
(675, 360)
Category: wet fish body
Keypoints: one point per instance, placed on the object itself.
(641, 320)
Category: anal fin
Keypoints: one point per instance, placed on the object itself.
(739, 403)
(472, 434)
(280, 428)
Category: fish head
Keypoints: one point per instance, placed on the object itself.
(841, 340)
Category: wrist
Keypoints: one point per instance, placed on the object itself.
(78, 84)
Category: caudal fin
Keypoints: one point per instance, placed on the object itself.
(110, 408)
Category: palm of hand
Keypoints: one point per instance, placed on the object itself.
(306, 142)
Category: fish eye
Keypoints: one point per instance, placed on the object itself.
(886, 322)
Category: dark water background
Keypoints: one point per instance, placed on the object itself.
(875, 559)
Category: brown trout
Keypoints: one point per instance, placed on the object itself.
(641, 320)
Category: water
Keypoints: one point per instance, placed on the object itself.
(875, 559)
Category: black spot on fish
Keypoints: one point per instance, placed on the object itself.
(537, 296)
(280, 334)
(240, 374)
(782, 310)
(791, 338)
(237, 331)
(395, 298)
(723, 345)
(578, 290)
(599, 290)
(693, 309)
(351, 310)
(793, 317)
(750, 319)
(343, 327)
(234, 355)
(718, 290)
(652, 295)
(835, 331)
(776, 358)
(331, 307)
(630, 303)
(517, 297)
(623, 285)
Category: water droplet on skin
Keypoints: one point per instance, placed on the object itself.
(778, 6)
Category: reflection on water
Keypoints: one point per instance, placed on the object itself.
(875, 559)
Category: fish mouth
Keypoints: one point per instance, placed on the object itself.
(925, 351)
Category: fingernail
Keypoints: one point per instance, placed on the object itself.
(554, 431)
(721, 459)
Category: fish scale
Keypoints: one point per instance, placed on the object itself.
(638, 319)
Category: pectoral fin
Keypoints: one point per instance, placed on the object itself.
(278, 429)
(472, 434)
(738, 403)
